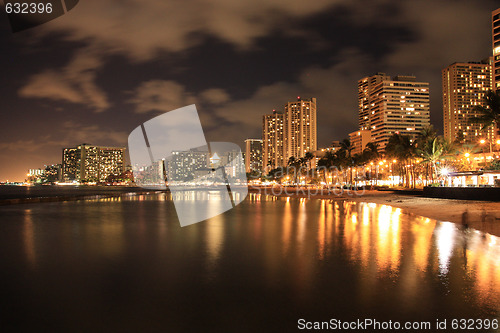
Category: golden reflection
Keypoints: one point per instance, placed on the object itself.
(365, 239)
(29, 238)
(383, 244)
(287, 225)
(257, 230)
(302, 219)
(445, 242)
(322, 230)
(396, 239)
(422, 230)
(214, 239)
(483, 267)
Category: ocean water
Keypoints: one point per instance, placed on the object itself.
(124, 264)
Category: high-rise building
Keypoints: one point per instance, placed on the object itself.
(253, 155)
(195, 164)
(359, 140)
(365, 88)
(292, 133)
(388, 106)
(87, 163)
(300, 133)
(53, 172)
(495, 36)
(181, 165)
(464, 87)
(272, 141)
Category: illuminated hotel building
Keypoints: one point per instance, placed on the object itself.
(300, 133)
(87, 163)
(182, 165)
(359, 140)
(464, 87)
(392, 105)
(272, 141)
(365, 88)
(253, 155)
(495, 34)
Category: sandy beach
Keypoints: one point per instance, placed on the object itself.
(482, 215)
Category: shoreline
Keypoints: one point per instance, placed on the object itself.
(446, 210)
(483, 215)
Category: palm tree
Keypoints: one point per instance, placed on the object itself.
(427, 132)
(370, 153)
(423, 146)
(432, 148)
(308, 156)
(292, 164)
(401, 147)
(326, 162)
(490, 113)
(345, 153)
(432, 153)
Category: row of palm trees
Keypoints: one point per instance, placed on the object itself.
(410, 159)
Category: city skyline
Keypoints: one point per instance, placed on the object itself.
(75, 79)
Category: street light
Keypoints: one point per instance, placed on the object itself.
(483, 141)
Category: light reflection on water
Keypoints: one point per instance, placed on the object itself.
(287, 256)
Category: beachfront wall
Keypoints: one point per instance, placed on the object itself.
(464, 193)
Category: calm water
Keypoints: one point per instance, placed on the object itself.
(125, 265)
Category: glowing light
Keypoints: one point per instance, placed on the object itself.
(445, 242)
(467, 155)
(482, 141)
(445, 171)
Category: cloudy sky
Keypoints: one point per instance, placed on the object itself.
(105, 67)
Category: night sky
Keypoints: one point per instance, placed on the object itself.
(105, 67)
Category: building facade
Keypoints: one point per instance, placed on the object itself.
(365, 88)
(392, 105)
(359, 140)
(182, 165)
(495, 36)
(464, 88)
(253, 155)
(300, 128)
(292, 133)
(272, 141)
(197, 164)
(88, 163)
